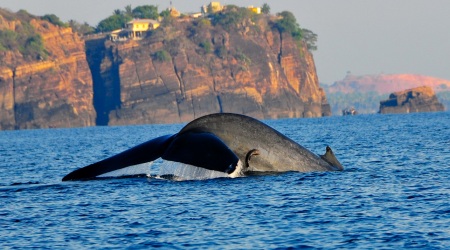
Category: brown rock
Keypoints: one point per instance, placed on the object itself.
(420, 99)
(253, 70)
(51, 92)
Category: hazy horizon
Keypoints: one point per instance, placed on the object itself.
(357, 36)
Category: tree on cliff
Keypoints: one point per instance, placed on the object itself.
(310, 39)
(119, 18)
(233, 16)
(265, 9)
(287, 23)
(52, 18)
(113, 22)
(83, 29)
(146, 11)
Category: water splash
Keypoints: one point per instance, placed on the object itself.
(182, 172)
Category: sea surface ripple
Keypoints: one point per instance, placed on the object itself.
(393, 193)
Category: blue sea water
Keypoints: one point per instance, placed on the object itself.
(393, 194)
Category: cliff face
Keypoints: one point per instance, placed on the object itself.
(55, 91)
(420, 99)
(178, 73)
(184, 71)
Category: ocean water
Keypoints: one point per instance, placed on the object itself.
(393, 194)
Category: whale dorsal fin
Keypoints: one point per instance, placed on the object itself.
(331, 159)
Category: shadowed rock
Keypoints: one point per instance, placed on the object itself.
(421, 99)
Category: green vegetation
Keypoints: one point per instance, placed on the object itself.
(289, 24)
(310, 38)
(25, 40)
(34, 46)
(23, 15)
(120, 17)
(162, 56)
(265, 9)
(83, 29)
(165, 13)
(232, 17)
(206, 45)
(145, 11)
(51, 18)
(203, 23)
(242, 57)
(113, 22)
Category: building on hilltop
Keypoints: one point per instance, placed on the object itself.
(256, 10)
(212, 7)
(174, 12)
(138, 27)
(134, 29)
(118, 35)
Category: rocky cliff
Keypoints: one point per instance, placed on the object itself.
(50, 90)
(188, 69)
(185, 69)
(420, 99)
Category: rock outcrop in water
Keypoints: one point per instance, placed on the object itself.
(421, 99)
(43, 93)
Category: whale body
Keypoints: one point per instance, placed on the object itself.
(234, 144)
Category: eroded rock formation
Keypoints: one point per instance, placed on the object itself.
(179, 72)
(51, 92)
(182, 72)
(420, 99)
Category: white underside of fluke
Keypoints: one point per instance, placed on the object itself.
(140, 169)
(181, 171)
(173, 170)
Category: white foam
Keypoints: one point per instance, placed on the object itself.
(181, 171)
(238, 172)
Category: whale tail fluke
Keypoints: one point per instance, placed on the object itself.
(145, 152)
(203, 150)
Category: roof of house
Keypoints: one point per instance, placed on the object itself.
(152, 21)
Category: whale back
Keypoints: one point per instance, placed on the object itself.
(277, 153)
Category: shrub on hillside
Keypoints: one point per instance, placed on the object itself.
(162, 56)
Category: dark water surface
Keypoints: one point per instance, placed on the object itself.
(394, 193)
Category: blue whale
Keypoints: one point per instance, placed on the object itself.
(234, 144)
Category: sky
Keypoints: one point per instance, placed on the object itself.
(361, 37)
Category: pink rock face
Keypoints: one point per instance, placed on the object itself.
(385, 84)
(420, 99)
